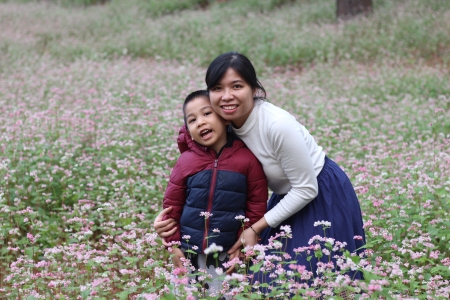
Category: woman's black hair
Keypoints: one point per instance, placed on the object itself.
(240, 64)
(190, 97)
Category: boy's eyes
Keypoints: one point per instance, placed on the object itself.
(190, 121)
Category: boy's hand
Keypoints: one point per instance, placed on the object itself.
(176, 260)
(232, 255)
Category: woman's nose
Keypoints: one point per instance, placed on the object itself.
(227, 95)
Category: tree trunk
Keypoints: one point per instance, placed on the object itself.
(348, 8)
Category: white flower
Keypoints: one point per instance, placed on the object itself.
(238, 277)
(219, 271)
(323, 223)
(286, 228)
(186, 237)
(205, 214)
(213, 248)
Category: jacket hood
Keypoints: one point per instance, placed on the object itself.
(184, 140)
(186, 143)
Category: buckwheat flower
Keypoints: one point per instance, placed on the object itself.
(219, 271)
(194, 247)
(374, 287)
(277, 245)
(213, 248)
(358, 237)
(186, 237)
(150, 296)
(323, 223)
(238, 277)
(216, 230)
(31, 238)
(240, 217)
(205, 214)
(286, 228)
(434, 254)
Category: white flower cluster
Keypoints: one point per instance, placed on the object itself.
(287, 228)
(242, 218)
(323, 223)
(205, 214)
(213, 248)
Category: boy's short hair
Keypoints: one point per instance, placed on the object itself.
(190, 97)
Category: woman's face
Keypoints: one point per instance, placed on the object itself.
(232, 98)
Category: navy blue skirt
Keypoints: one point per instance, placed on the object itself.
(337, 203)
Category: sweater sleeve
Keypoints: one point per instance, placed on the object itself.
(286, 137)
(175, 196)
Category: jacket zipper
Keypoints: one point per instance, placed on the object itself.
(210, 202)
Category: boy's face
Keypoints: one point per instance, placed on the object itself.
(205, 125)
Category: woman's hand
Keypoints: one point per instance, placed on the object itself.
(250, 236)
(167, 227)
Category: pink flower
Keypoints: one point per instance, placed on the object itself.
(434, 254)
(31, 238)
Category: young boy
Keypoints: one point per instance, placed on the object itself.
(215, 179)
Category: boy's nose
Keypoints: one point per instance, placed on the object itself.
(200, 122)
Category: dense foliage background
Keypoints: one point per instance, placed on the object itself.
(90, 99)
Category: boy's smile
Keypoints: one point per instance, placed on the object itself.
(205, 125)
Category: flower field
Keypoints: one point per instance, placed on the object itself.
(88, 139)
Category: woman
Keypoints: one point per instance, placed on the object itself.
(307, 186)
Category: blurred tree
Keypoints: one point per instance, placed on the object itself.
(348, 8)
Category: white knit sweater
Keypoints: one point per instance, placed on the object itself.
(289, 155)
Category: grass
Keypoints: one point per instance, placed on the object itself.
(90, 102)
(294, 32)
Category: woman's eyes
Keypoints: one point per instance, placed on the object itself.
(235, 86)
